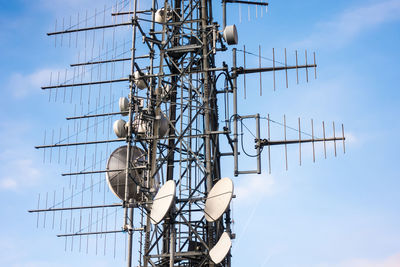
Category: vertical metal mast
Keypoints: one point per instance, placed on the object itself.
(128, 203)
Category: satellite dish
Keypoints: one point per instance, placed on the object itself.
(162, 201)
(140, 125)
(231, 35)
(163, 15)
(218, 199)
(164, 126)
(116, 173)
(120, 129)
(221, 249)
(124, 105)
(139, 80)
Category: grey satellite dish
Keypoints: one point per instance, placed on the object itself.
(218, 199)
(231, 35)
(221, 249)
(116, 173)
(120, 129)
(124, 106)
(163, 126)
(163, 201)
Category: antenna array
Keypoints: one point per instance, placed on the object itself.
(157, 147)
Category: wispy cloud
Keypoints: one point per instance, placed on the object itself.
(255, 186)
(392, 261)
(21, 85)
(18, 168)
(354, 21)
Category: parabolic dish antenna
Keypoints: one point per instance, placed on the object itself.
(221, 249)
(218, 199)
(162, 201)
(116, 173)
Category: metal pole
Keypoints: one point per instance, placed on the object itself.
(235, 115)
(206, 86)
(129, 143)
(223, 14)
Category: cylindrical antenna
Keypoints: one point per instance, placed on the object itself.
(72, 237)
(334, 136)
(323, 129)
(62, 206)
(44, 150)
(244, 66)
(104, 22)
(315, 67)
(72, 201)
(65, 82)
(38, 206)
(299, 143)
(86, 21)
(259, 64)
(69, 35)
(76, 36)
(58, 83)
(44, 219)
(51, 77)
(66, 231)
(54, 213)
(306, 65)
(284, 127)
(269, 147)
(95, 24)
(59, 148)
(297, 68)
(344, 146)
(312, 137)
(62, 35)
(273, 66)
(55, 37)
(52, 142)
(97, 229)
(286, 72)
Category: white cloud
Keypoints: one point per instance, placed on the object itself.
(17, 172)
(353, 22)
(392, 261)
(22, 85)
(254, 186)
(18, 168)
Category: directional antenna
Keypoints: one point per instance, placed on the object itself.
(116, 175)
(162, 202)
(218, 199)
(221, 249)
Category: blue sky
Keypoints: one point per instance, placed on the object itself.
(338, 212)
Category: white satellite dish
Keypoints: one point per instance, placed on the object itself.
(230, 35)
(163, 15)
(221, 249)
(140, 125)
(139, 80)
(163, 201)
(124, 106)
(120, 129)
(116, 173)
(218, 199)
